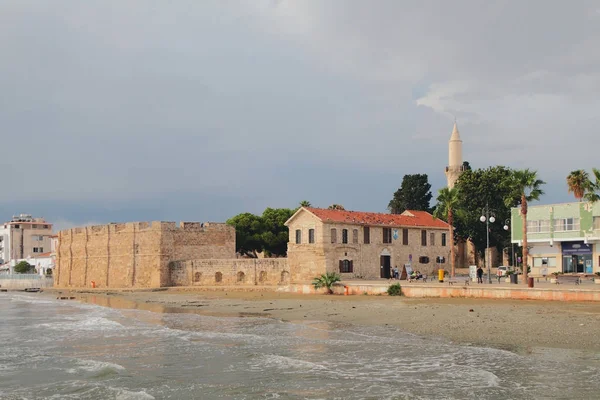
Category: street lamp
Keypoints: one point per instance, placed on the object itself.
(512, 245)
(487, 218)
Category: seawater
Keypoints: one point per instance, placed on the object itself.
(56, 349)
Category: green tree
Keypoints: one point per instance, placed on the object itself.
(305, 203)
(254, 234)
(593, 187)
(448, 204)
(414, 194)
(526, 187)
(326, 280)
(248, 231)
(275, 235)
(578, 182)
(23, 268)
(476, 189)
(336, 207)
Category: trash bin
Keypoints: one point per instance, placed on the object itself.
(530, 282)
(441, 275)
(514, 278)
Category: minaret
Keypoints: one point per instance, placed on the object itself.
(455, 161)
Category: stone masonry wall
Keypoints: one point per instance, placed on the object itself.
(135, 254)
(246, 272)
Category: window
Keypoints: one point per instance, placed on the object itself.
(197, 276)
(566, 224)
(346, 266)
(17, 226)
(432, 238)
(333, 235)
(46, 226)
(443, 239)
(544, 262)
(366, 235)
(311, 236)
(596, 223)
(345, 236)
(38, 249)
(355, 236)
(541, 226)
(440, 260)
(298, 236)
(387, 235)
(405, 236)
(37, 238)
(424, 260)
(423, 237)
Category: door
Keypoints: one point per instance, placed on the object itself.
(385, 264)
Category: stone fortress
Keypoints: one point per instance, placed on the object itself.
(158, 254)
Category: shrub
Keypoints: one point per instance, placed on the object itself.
(326, 280)
(23, 268)
(394, 290)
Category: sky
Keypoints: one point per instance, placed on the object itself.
(186, 110)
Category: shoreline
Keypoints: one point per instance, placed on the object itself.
(514, 325)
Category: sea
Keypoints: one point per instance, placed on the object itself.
(68, 349)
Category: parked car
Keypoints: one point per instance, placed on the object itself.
(502, 270)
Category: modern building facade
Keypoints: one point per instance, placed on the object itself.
(561, 237)
(365, 245)
(24, 237)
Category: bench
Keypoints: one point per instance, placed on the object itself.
(454, 280)
(422, 278)
(568, 279)
(537, 277)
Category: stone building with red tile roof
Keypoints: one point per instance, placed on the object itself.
(363, 244)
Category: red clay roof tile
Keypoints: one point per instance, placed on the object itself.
(408, 218)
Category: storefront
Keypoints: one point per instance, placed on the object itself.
(577, 257)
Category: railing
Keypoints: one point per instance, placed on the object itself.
(24, 276)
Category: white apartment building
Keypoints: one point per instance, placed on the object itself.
(24, 237)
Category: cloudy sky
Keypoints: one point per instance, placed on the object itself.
(199, 110)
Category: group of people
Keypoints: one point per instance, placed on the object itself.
(414, 275)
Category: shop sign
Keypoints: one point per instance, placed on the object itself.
(576, 248)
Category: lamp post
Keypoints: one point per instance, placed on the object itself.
(487, 218)
(512, 245)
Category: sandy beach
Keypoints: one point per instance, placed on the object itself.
(513, 325)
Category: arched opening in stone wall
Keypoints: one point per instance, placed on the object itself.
(262, 277)
(241, 277)
(218, 277)
(285, 277)
(197, 276)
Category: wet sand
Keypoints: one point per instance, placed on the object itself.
(516, 325)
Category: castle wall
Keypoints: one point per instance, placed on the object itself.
(227, 272)
(135, 254)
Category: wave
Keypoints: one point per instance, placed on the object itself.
(98, 369)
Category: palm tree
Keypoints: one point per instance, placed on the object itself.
(326, 280)
(305, 203)
(578, 182)
(447, 207)
(591, 194)
(525, 185)
(336, 207)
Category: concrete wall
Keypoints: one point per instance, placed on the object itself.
(308, 260)
(20, 284)
(244, 272)
(135, 254)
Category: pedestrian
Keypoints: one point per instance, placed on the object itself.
(479, 275)
(499, 273)
(396, 276)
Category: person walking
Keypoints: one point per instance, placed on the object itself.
(479, 275)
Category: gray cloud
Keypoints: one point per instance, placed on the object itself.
(234, 106)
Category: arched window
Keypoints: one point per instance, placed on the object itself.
(285, 277)
(262, 277)
(298, 236)
(333, 235)
(346, 266)
(355, 236)
(345, 236)
(197, 276)
(241, 277)
(218, 277)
